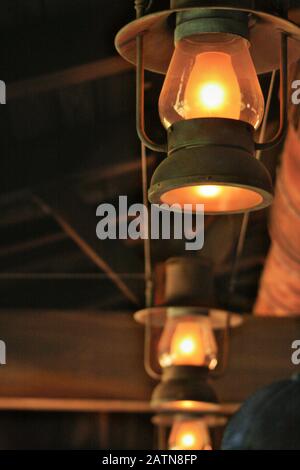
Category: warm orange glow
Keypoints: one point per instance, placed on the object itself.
(187, 440)
(187, 345)
(209, 191)
(187, 405)
(215, 198)
(189, 435)
(188, 341)
(213, 89)
(212, 95)
(211, 75)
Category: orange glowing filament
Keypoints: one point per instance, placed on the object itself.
(189, 435)
(209, 191)
(212, 89)
(187, 345)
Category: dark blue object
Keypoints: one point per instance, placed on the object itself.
(269, 420)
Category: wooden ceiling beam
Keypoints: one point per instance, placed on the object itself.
(86, 406)
(69, 77)
(98, 355)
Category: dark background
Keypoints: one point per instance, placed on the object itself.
(68, 144)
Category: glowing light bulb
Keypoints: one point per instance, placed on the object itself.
(188, 440)
(211, 75)
(213, 89)
(188, 341)
(209, 191)
(212, 96)
(189, 434)
(215, 198)
(187, 346)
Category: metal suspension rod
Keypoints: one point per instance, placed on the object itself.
(263, 131)
(245, 221)
(147, 238)
(147, 352)
(140, 7)
(284, 98)
(140, 100)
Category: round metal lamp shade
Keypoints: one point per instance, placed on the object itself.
(158, 34)
(240, 191)
(211, 162)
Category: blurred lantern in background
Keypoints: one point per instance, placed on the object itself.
(181, 351)
(189, 434)
(187, 340)
(180, 345)
(189, 431)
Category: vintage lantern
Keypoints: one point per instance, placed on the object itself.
(180, 346)
(188, 431)
(211, 102)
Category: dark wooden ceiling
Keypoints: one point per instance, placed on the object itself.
(68, 143)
